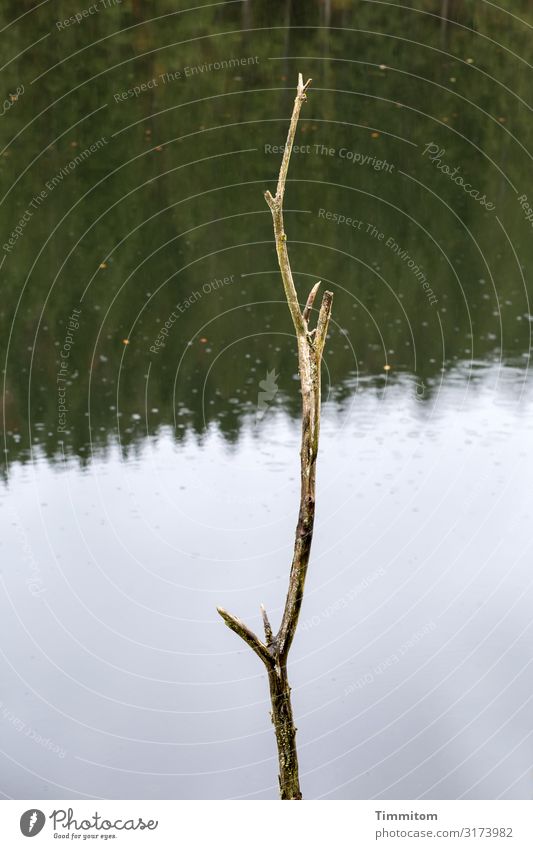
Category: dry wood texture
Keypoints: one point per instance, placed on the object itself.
(275, 648)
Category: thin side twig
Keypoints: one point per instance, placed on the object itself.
(310, 301)
(247, 635)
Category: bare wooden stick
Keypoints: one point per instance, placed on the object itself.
(276, 207)
(310, 348)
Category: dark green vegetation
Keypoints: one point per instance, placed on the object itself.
(173, 201)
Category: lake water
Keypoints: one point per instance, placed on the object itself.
(145, 480)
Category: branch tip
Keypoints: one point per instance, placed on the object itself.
(301, 87)
(242, 630)
(323, 321)
(276, 207)
(267, 626)
(310, 301)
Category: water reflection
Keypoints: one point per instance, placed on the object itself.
(409, 671)
(144, 226)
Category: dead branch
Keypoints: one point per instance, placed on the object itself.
(310, 348)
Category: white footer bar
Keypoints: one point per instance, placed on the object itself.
(268, 825)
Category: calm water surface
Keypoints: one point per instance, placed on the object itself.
(143, 286)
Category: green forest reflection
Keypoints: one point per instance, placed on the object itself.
(164, 220)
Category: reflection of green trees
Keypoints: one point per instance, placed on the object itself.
(142, 200)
